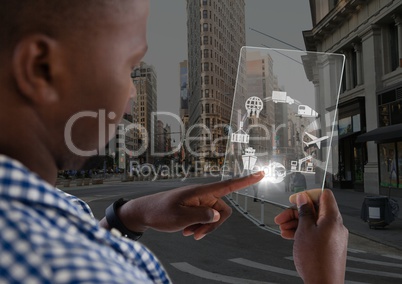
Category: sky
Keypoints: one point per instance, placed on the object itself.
(167, 37)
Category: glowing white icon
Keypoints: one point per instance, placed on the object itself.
(240, 136)
(281, 97)
(274, 172)
(254, 106)
(315, 140)
(249, 158)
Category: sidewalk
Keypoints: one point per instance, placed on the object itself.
(349, 203)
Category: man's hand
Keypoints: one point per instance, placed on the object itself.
(320, 238)
(195, 210)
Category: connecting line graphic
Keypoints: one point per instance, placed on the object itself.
(288, 44)
(254, 106)
(268, 99)
(277, 39)
(283, 54)
(288, 100)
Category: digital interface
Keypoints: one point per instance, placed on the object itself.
(284, 119)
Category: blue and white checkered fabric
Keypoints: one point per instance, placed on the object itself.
(46, 237)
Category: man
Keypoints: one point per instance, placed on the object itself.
(63, 57)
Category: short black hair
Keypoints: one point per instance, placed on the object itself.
(51, 17)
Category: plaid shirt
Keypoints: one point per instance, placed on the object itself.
(47, 236)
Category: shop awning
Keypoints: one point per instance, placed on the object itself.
(386, 133)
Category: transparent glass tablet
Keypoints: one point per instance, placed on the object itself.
(283, 121)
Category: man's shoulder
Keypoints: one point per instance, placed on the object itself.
(49, 241)
(49, 244)
(46, 234)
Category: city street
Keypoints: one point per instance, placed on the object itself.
(239, 251)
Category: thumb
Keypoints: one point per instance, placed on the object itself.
(328, 206)
(306, 210)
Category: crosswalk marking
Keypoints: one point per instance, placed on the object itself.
(186, 267)
(369, 261)
(392, 256)
(376, 273)
(376, 262)
(356, 250)
(265, 267)
(270, 268)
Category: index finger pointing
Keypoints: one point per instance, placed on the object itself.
(223, 188)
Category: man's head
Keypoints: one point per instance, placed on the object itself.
(63, 57)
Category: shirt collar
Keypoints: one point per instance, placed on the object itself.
(19, 183)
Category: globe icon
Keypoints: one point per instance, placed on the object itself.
(254, 105)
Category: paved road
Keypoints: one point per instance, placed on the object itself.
(239, 251)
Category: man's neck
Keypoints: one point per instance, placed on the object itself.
(35, 160)
(22, 139)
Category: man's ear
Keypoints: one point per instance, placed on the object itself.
(34, 63)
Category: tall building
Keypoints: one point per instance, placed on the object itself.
(216, 33)
(145, 80)
(160, 137)
(183, 91)
(167, 138)
(369, 34)
(122, 146)
(184, 108)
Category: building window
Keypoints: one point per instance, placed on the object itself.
(206, 53)
(205, 2)
(343, 84)
(206, 80)
(206, 66)
(396, 112)
(205, 14)
(389, 159)
(205, 40)
(389, 108)
(351, 70)
(207, 122)
(206, 108)
(354, 69)
(399, 155)
(207, 93)
(205, 27)
(393, 47)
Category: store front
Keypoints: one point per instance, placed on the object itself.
(389, 141)
(352, 155)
